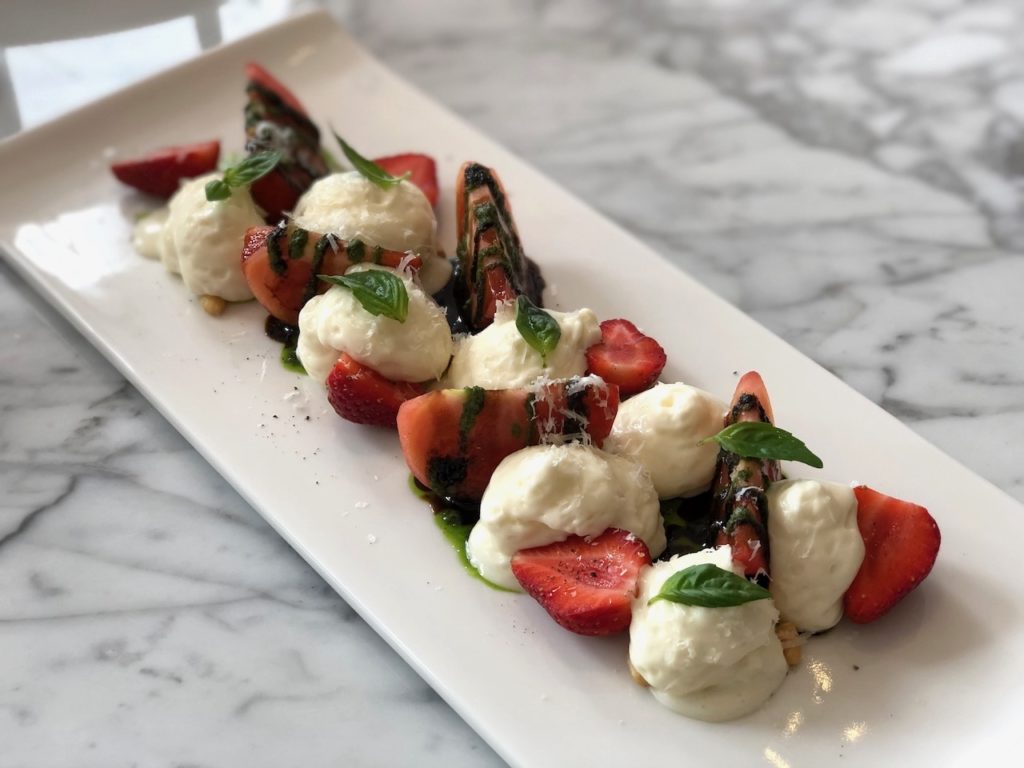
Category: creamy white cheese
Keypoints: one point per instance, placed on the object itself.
(707, 663)
(335, 322)
(544, 494)
(662, 429)
(499, 358)
(816, 551)
(397, 218)
(202, 240)
(148, 231)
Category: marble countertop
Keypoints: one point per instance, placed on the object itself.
(847, 173)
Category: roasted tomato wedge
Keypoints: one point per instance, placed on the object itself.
(738, 512)
(281, 265)
(275, 120)
(492, 265)
(453, 439)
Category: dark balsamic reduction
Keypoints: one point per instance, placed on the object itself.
(281, 331)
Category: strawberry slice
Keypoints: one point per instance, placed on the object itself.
(422, 170)
(626, 357)
(362, 395)
(161, 172)
(901, 542)
(586, 585)
(255, 73)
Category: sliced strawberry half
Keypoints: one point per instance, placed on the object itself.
(362, 395)
(586, 585)
(422, 171)
(161, 172)
(627, 357)
(901, 542)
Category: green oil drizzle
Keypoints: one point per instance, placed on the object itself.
(290, 359)
(455, 526)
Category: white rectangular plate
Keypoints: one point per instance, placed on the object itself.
(540, 696)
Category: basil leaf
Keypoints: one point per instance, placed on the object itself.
(255, 166)
(241, 174)
(708, 586)
(368, 168)
(760, 440)
(380, 292)
(217, 190)
(539, 329)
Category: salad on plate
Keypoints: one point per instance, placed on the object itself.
(553, 455)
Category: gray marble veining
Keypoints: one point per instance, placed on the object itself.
(847, 173)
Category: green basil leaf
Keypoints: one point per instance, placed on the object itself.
(760, 440)
(708, 586)
(380, 292)
(368, 168)
(217, 190)
(254, 167)
(241, 174)
(539, 329)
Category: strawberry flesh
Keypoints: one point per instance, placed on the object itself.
(587, 585)
(901, 542)
(160, 173)
(627, 357)
(361, 395)
(422, 171)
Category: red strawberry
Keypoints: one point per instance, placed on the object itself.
(901, 542)
(587, 585)
(362, 395)
(626, 357)
(159, 173)
(255, 73)
(422, 168)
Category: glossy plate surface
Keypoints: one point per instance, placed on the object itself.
(338, 492)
